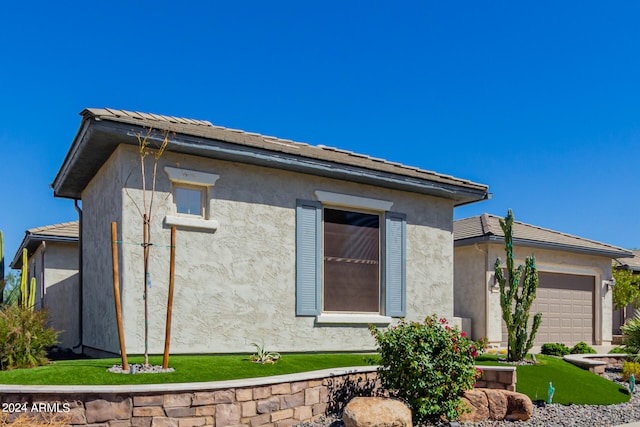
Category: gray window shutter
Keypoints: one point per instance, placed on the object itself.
(308, 257)
(395, 264)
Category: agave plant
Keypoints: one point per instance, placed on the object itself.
(263, 356)
(631, 340)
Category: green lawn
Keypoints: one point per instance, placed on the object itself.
(572, 384)
(187, 369)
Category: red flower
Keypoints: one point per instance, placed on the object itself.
(448, 328)
(442, 320)
(463, 334)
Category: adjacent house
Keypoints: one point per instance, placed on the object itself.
(52, 253)
(575, 282)
(620, 315)
(295, 245)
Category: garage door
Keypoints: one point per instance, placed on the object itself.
(566, 303)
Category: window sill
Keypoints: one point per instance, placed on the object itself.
(365, 319)
(195, 223)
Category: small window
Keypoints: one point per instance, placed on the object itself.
(189, 201)
(192, 199)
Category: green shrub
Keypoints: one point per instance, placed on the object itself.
(631, 338)
(554, 349)
(24, 337)
(629, 368)
(582, 348)
(428, 365)
(618, 350)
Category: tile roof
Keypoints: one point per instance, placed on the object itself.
(33, 237)
(66, 229)
(206, 129)
(630, 263)
(487, 227)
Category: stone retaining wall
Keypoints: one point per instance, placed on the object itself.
(498, 377)
(275, 401)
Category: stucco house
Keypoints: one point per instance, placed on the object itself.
(575, 282)
(297, 245)
(53, 259)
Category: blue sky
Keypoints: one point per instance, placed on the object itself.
(540, 101)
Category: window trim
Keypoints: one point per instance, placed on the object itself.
(309, 253)
(191, 179)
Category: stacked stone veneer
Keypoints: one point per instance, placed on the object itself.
(276, 401)
(498, 377)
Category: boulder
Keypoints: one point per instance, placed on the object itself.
(376, 412)
(483, 404)
(497, 403)
(477, 404)
(519, 407)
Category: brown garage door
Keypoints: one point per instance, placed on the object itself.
(566, 304)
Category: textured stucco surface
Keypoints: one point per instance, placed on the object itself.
(101, 203)
(236, 285)
(546, 260)
(470, 289)
(55, 267)
(62, 296)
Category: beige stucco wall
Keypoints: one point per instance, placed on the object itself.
(55, 267)
(546, 260)
(101, 204)
(62, 298)
(470, 290)
(236, 285)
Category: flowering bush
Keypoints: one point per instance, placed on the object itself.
(428, 365)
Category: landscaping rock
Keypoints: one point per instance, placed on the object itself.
(496, 405)
(376, 412)
(477, 404)
(519, 407)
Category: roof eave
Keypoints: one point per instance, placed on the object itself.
(187, 144)
(31, 243)
(544, 245)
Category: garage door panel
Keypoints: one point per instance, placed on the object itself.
(566, 303)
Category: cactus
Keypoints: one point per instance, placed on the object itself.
(2, 280)
(27, 295)
(23, 280)
(515, 305)
(32, 294)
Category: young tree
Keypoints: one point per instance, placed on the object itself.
(11, 294)
(627, 288)
(147, 148)
(516, 300)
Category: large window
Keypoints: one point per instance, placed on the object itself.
(351, 261)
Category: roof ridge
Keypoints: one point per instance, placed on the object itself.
(52, 226)
(138, 115)
(488, 215)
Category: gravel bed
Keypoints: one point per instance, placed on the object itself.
(554, 415)
(139, 368)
